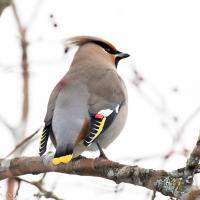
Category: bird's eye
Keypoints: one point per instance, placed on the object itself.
(108, 49)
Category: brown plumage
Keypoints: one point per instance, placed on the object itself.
(80, 40)
(83, 132)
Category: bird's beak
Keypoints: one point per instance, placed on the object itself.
(122, 55)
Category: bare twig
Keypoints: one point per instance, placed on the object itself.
(18, 188)
(25, 74)
(42, 178)
(188, 120)
(34, 13)
(138, 81)
(46, 193)
(25, 89)
(24, 141)
(192, 164)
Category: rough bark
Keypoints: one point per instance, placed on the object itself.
(168, 183)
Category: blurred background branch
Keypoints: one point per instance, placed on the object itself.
(42, 191)
(4, 4)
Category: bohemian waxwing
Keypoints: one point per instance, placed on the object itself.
(88, 107)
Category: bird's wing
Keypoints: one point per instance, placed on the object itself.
(51, 104)
(47, 131)
(100, 122)
(107, 96)
(70, 119)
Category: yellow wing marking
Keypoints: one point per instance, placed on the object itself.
(100, 128)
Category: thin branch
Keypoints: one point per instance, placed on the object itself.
(25, 77)
(42, 178)
(192, 163)
(25, 66)
(18, 188)
(24, 141)
(139, 80)
(46, 193)
(189, 119)
(34, 13)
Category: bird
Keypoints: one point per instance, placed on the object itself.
(87, 109)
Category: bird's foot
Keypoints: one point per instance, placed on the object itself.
(102, 154)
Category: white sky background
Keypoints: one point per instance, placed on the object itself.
(163, 38)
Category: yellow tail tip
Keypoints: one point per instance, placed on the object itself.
(62, 159)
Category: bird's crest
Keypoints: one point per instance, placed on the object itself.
(81, 40)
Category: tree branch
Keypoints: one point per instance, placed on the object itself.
(25, 66)
(21, 143)
(157, 180)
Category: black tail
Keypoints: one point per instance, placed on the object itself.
(44, 139)
(63, 150)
